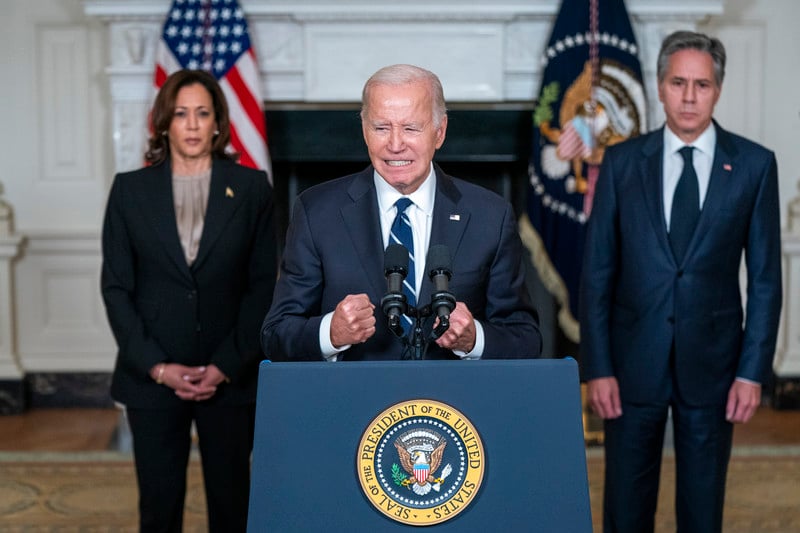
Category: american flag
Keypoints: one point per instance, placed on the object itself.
(212, 35)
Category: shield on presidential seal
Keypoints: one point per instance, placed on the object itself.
(421, 472)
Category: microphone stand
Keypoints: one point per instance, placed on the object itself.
(395, 303)
(439, 299)
(417, 340)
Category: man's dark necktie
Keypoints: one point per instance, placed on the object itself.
(401, 234)
(685, 206)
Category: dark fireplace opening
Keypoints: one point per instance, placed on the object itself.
(487, 143)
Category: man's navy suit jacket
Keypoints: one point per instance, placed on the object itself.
(636, 300)
(163, 310)
(334, 247)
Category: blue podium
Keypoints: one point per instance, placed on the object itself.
(392, 446)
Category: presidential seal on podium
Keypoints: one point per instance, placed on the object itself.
(420, 462)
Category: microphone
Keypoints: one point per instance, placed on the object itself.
(395, 268)
(442, 301)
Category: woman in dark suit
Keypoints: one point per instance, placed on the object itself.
(189, 266)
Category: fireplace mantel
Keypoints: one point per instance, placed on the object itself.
(322, 50)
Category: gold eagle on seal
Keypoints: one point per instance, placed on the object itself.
(421, 467)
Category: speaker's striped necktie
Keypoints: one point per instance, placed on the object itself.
(401, 234)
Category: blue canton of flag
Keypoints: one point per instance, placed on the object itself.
(591, 97)
(212, 35)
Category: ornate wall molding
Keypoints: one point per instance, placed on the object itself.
(11, 387)
(322, 51)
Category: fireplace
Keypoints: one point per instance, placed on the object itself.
(488, 144)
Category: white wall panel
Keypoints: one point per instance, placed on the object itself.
(466, 57)
(63, 104)
(62, 322)
(740, 106)
(54, 169)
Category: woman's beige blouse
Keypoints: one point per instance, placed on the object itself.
(191, 199)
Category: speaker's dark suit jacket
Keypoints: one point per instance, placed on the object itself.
(334, 248)
(636, 299)
(161, 309)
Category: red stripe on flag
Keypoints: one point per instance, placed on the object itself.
(160, 75)
(244, 155)
(249, 103)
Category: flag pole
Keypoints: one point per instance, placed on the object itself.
(593, 433)
(594, 62)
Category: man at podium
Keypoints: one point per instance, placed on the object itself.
(401, 261)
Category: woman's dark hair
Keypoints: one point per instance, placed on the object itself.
(164, 109)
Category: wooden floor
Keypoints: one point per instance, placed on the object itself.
(74, 430)
(59, 430)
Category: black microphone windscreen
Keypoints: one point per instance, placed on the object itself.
(438, 258)
(395, 257)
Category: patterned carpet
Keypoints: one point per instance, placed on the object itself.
(97, 493)
(95, 496)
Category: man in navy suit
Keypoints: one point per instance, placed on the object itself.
(662, 322)
(326, 304)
